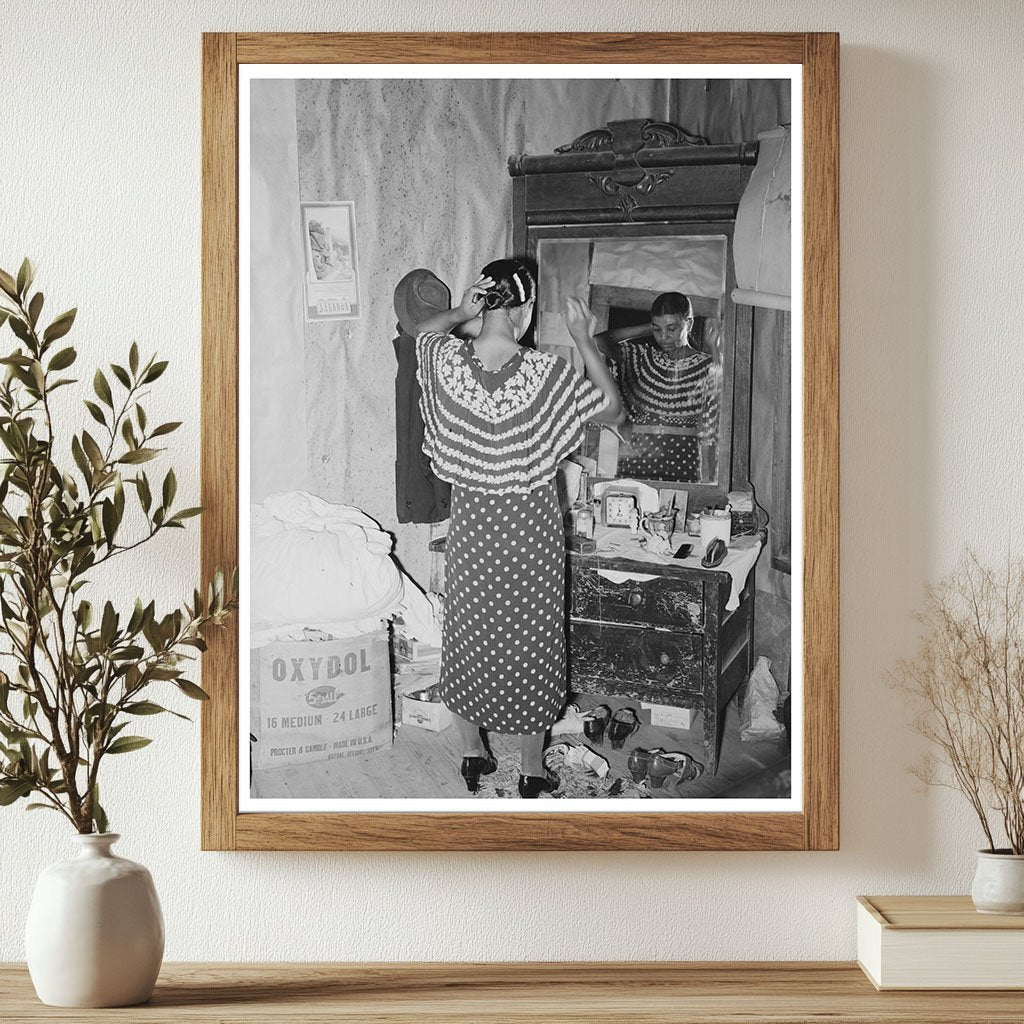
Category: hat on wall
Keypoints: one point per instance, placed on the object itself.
(419, 294)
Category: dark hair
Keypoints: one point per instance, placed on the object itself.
(672, 304)
(514, 284)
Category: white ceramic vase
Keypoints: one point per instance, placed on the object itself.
(999, 883)
(95, 933)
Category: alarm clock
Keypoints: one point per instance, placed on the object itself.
(618, 508)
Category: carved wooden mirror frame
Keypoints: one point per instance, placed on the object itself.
(816, 826)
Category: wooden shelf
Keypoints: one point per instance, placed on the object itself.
(651, 993)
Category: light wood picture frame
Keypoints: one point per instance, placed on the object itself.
(816, 825)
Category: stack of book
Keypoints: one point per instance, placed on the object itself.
(938, 942)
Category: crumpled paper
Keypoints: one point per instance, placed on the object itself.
(576, 757)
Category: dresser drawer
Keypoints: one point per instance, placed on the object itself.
(665, 601)
(647, 664)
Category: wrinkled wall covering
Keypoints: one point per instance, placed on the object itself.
(770, 425)
(277, 358)
(425, 162)
(103, 188)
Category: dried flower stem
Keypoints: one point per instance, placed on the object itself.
(967, 682)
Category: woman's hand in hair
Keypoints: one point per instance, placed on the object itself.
(472, 304)
(465, 312)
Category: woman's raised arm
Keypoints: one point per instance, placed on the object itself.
(446, 320)
(580, 321)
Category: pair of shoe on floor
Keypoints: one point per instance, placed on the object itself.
(530, 786)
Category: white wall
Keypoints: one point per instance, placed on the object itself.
(99, 181)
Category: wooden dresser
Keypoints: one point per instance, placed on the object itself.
(665, 640)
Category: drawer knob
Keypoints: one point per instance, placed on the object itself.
(636, 599)
(664, 658)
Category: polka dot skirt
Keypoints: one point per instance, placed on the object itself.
(661, 457)
(503, 645)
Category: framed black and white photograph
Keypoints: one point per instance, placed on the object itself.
(527, 485)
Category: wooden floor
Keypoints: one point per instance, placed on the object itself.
(424, 764)
(522, 993)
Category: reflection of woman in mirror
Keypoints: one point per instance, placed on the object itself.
(498, 418)
(668, 383)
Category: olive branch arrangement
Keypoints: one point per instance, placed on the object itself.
(72, 678)
(967, 682)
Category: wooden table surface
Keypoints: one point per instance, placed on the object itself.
(565, 993)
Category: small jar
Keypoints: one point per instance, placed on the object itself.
(582, 519)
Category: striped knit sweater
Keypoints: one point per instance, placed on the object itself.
(659, 389)
(508, 438)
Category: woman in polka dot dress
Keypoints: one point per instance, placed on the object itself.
(666, 382)
(498, 418)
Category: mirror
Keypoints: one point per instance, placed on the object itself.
(670, 355)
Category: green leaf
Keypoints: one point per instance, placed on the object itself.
(154, 371)
(145, 498)
(99, 816)
(80, 458)
(92, 449)
(108, 627)
(41, 807)
(121, 374)
(170, 488)
(8, 284)
(109, 521)
(140, 415)
(139, 455)
(144, 707)
(191, 690)
(60, 326)
(102, 388)
(95, 412)
(63, 359)
(26, 274)
(125, 744)
(15, 790)
(128, 433)
(34, 308)
(165, 428)
(185, 513)
(119, 499)
(20, 328)
(133, 358)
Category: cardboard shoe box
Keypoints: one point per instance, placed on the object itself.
(412, 707)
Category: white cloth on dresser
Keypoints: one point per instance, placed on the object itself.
(742, 556)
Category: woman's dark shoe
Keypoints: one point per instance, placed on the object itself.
(474, 767)
(624, 723)
(594, 723)
(531, 786)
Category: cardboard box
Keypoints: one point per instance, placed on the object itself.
(407, 649)
(412, 709)
(425, 714)
(320, 700)
(667, 717)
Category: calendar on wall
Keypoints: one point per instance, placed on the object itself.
(331, 284)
